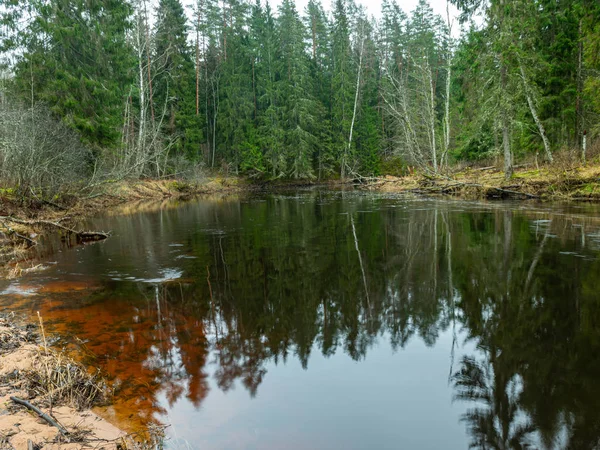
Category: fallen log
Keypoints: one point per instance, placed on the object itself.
(81, 235)
(447, 188)
(511, 192)
(42, 414)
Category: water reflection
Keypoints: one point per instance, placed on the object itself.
(224, 290)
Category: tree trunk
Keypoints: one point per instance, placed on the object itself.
(360, 58)
(444, 160)
(508, 165)
(580, 83)
(198, 61)
(432, 118)
(142, 125)
(151, 96)
(534, 113)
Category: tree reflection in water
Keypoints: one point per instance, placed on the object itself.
(263, 281)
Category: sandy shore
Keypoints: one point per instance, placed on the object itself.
(25, 366)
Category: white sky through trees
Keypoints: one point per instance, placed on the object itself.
(374, 7)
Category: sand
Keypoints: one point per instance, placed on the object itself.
(18, 425)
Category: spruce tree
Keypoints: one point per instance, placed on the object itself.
(300, 110)
(174, 101)
(74, 57)
(342, 83)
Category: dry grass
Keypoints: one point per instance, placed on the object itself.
(564, 179)
(55, 379)
(152, 439)
(64, 381)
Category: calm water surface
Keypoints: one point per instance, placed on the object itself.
(326, 320)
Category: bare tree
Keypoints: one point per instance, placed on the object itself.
(39, 153)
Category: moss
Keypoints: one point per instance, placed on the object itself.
(588, 189)
(180, 186)
(527, 174)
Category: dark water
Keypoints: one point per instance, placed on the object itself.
(325, 320)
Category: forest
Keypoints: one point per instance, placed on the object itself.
(131, 89)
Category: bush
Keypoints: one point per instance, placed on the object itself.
(39, 153)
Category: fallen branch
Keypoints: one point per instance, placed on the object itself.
(511, 192)
(47, 202)
(30, 241)
(445, 189)
(82, 235)
(40, 413)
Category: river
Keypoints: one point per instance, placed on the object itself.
(346, 320)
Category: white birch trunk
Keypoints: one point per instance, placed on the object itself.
(534, 113)
(360, 58)
(142, 125)
(432, 118)
(448, 82)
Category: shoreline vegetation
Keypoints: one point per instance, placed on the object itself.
(25, 220)
(48, 397)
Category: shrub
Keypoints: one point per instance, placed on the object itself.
(39, 153)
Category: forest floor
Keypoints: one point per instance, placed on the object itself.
(545, 183)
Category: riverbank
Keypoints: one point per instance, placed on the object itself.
(25, 221)
(46, 397)
(544, 183)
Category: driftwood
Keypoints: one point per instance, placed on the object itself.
(42, 414)
(445, 189)
(81, 235)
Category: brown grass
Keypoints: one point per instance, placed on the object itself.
(565, 179)
(54, 379)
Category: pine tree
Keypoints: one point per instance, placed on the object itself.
(318, 35)
(299, 114)
(368, 126)
(236, 107)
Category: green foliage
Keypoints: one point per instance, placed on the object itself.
(175, 79)
(280, 95)
(74, 57)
